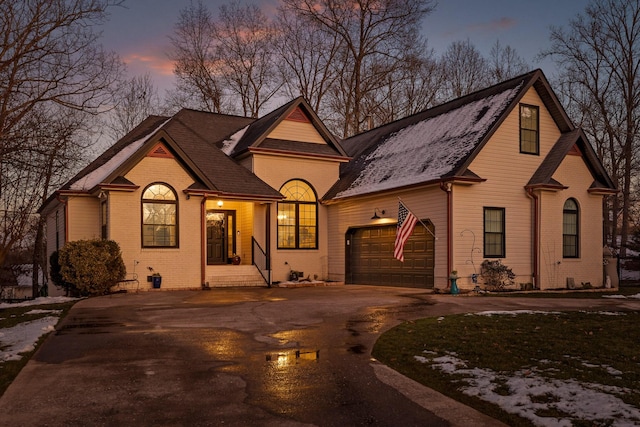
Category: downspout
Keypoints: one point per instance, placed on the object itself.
(267, 239)
(536, 236)
(447, 188)
(203, 232)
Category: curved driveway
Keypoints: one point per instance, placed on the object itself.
(242, 357)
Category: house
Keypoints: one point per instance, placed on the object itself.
(498, 174)
(17, 282)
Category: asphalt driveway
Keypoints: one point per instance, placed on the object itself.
(242, 357)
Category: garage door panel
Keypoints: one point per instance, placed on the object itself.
(371, 258)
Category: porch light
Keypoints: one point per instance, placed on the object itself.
(220, 203)
(375, 213)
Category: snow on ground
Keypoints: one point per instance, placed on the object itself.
(636, 296)
(530, 392)
(22, 338)
(38, 301)
(526, 389)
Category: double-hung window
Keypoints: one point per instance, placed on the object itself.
(570, 229)
(529, 129)
(494, 233)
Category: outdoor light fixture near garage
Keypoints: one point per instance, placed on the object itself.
(375, 213)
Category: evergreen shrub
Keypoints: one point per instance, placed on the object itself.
(91, 267)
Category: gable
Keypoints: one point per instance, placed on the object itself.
(291, 129)
(501, 159)
(297, 127)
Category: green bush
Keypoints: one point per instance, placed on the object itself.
(91, 267)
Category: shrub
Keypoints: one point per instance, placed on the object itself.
(91, 267)
(496, 275)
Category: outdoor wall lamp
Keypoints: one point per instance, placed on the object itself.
(220, 203)
(375, 213)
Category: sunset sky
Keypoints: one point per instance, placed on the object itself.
(139, 31)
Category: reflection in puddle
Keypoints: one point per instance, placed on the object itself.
(293, 357)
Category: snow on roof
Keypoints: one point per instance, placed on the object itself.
(229, 144)
(97, 176)
(429, 149)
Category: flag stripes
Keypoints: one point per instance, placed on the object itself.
(406, 222)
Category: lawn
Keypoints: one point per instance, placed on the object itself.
(23, 327)
(527, 368)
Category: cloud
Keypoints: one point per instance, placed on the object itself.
(155, 64)
(500, 24)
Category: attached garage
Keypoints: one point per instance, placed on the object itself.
(370, 261)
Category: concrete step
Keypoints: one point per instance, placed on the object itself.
(235, 275)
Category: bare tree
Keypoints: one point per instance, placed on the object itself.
(465, 68)
(50, 61)
(197, 67)
(413, 87)
(505, 63)
(49, 53)
(599, 55)
(307, 52)
(226, 61)
(137, 99)
(245, 45)
(373, 37)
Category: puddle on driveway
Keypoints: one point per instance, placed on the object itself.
(293, 357)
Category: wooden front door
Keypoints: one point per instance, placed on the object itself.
(221, 236)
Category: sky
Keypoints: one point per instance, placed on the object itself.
(139, 32)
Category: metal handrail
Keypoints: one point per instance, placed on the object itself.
(260, 259)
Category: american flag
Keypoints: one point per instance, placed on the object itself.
(406, 222)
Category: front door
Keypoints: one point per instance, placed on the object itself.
(221, 236)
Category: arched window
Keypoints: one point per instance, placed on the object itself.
(159, 216)
(298, 216)
(570, 229)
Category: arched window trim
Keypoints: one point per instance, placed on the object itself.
(148, 239)
(571, 236)
(292, 232)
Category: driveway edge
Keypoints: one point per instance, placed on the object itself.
(456, 413)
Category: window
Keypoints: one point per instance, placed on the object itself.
(159, 217)
(529, 126)
(494, 233)
(298, 217)
(570, 228)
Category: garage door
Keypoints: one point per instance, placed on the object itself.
(370, 258)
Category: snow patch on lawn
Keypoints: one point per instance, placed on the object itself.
(22, 337)
(529, 393)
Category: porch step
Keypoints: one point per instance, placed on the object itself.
(235, 275)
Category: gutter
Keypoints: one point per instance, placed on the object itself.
(63, 202)
(448, 188)
(536, 235)
(203, 254)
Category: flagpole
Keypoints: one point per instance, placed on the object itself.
(417, 217)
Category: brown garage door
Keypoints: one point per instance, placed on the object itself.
(370, 258)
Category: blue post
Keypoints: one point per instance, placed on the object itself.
(454, 286)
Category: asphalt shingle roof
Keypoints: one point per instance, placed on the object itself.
(440, 143)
